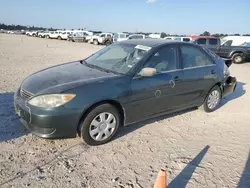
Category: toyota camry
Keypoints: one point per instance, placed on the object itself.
(121, 84)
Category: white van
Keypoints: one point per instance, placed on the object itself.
(124, 36)
(118, 37)
(185, 39)
(234, 40)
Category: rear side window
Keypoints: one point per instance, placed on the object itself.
(201, 41)
(194, 57)
(186, 39)
(213, 41)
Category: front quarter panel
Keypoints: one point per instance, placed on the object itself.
(87, 95)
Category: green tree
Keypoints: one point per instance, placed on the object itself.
(206, 33)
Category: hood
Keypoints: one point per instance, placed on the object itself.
(62, 77)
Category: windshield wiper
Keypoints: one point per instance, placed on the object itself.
(97, 67)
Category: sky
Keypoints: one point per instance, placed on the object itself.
(170, 16)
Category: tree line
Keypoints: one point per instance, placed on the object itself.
(206, 33)
(13, 27)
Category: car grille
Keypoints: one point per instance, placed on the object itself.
(25, 94)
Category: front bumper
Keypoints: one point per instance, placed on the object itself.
(60, 122)
(229, 85)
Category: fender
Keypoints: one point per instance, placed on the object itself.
(237, 50)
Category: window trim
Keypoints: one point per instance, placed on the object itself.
(178, 63)
(201, 50)
(201, 39)
(217, 43)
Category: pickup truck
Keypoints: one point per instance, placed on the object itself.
(98, 39)
(238, 54)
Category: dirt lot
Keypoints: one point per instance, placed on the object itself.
(197, 149)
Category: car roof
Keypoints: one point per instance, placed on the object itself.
(149, 42)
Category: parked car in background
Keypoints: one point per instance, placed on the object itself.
(81, 34)
(54, 35)
(10, 32)
(118, 37)
(78, 37)
(136, 36)
(121, 84)
(155, 36)
(42, 34)
(98, 39)
(107, 41)
(31, 33)
(63, 35)
(238, 54)
(184, 39)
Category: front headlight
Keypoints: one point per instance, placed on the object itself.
(51, 100)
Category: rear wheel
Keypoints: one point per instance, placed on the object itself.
(100, 125)
(212, 100)
(238, 58)
(59, 38)
(47, 37)
(95, 42)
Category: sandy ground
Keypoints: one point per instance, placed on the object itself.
(197, 149)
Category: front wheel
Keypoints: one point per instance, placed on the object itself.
(100, 125)
(238, 58)
(212, 100)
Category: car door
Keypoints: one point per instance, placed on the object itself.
(225, 48)
(213, 44)
(157, 94)
(199, 74)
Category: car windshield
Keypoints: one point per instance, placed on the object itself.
(118, 58)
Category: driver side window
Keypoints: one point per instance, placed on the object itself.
(164, 59)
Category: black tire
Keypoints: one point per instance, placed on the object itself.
(85, 125)
(47, 37)
(95, 42)
(59, 38)
(238, 58)
(205, 105)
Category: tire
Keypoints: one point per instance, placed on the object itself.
(59, 38)
(94, 117)
(34, 35)
(95, 42)
(47, 37)
(207, 105)
(238, 58)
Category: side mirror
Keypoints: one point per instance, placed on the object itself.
(147, 72)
